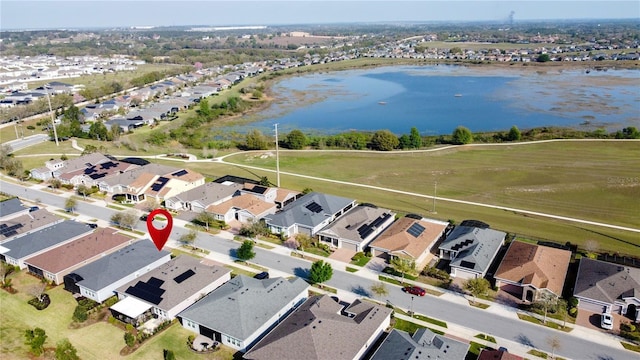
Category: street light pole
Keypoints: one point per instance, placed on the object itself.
(277, 159)
(53, 123)
(411, 310)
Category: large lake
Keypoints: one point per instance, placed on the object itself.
(436, 99)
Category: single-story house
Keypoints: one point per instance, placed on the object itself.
(15, 251)
(240, 312)
(25, 224)
(92, 175)
(199, 198)
(119, 183)
(244, 208)
(54, 264)
(355, 229)
(12, 208)
(98, 280)
(607, 287)
(264, 193)
(308, 214)
(321, 328)
(527, 270)
(471, 250)
(490, 354)
(54, 168)
(424, 344)
(167, 289)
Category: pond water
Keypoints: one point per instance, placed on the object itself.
(436, 99)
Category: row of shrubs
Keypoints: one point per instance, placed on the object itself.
(629, 331)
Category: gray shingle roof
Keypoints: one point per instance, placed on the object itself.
(242, 305)
(176, 289)
(476, 246)
(318, 330)
(117, 265)
(423, 345)
(358, 224)
(10, 206)
(606, 282)
(310, 210)
(208, 193)
(45, 238)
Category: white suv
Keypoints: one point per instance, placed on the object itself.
(606, 321)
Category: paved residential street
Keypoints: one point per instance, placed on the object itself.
(462, 319)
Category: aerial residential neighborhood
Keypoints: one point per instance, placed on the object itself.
(319, 180)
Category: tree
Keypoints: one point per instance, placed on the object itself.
(255, 140)
(404, 142)
(189, 237)
(83, 190)
(514, 134)
(384, 140)
(264, 181)
(403, 265)
(554, 344)
(35, 339)
(547, 300)
(477, 287)
(461, 135)
(70, 204)
(415, 139)
(296, 140)
(245, 251)
(66, 351)
(320, 272)
(306, 190)
(380, 289)
(55, 183)
(543, 58)
(150, 204)
(98, 131)
(128, 219)
(205, 218)
(168, 355)
(37, 290)
(129, 339)
(5, 270)
(5, 154)
(591, 247)
(204, 109)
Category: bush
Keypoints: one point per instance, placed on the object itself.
(40, 305)
(573, 302)
(67, 186)
(436, 273)
(190, 339)
(358, 256)
(129, 327)
(129, 339)
(80, 314)
(573, 312)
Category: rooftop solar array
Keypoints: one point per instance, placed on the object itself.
(467, 264)
(159, 184)
(184, 276)
(415, 230)
(8, 231)
(108, 165)
(460, 245)
(365, 230)
(180, 173)
(314, 207)
(147, 291)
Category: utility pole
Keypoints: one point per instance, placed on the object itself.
(435, 188)
(53, 123)
(277, 158)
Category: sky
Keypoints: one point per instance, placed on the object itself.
(55, 14)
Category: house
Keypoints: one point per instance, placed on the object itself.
(423, 345)
(285, 197)
(240, 312)
(54, 168)
(11, 208)
(321, 328)
(168, 289)
(54, 264)
(529, 270)
(199, 198)
(308, 214)
(410, 237)
(15, 251)
(98, 280)
(355, 229)
(471, 250)
(607, 287)
(264, 193)
(92, 175)
(488, 354)
(26, 223)
(244, 208)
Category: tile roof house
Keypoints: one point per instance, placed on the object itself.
(244, 208)
(487, 354)
(54, 264)
(528, 269)
(167, 289)
(199, 198)
(321, 328)
(409, 238)
(355, 229)
(240, 312)
(11, 208)
(471, 250)
(98, 280)
(423, 345)
(15, 251)
(308, 214)
(607, 287)
(25, 224)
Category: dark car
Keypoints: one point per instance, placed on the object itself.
(33, 208)
(144, 217)
(414, 290)
(261, 276)
(92, 225)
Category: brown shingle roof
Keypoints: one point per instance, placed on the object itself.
(28, 222)
(541, 266)
(398, 241)
(103, 240)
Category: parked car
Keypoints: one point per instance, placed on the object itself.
(33, 208)
(414, 290)
(93, 225)
(606, 321)
(261, 276)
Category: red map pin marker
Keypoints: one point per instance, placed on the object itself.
(159, 236)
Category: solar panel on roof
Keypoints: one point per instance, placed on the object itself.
(415, 230)
(314, 207)
(8, 231)
(155, 282)
(180, 173)
(159, 183)
(184, 276)
(144, 295)
(467, 264)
